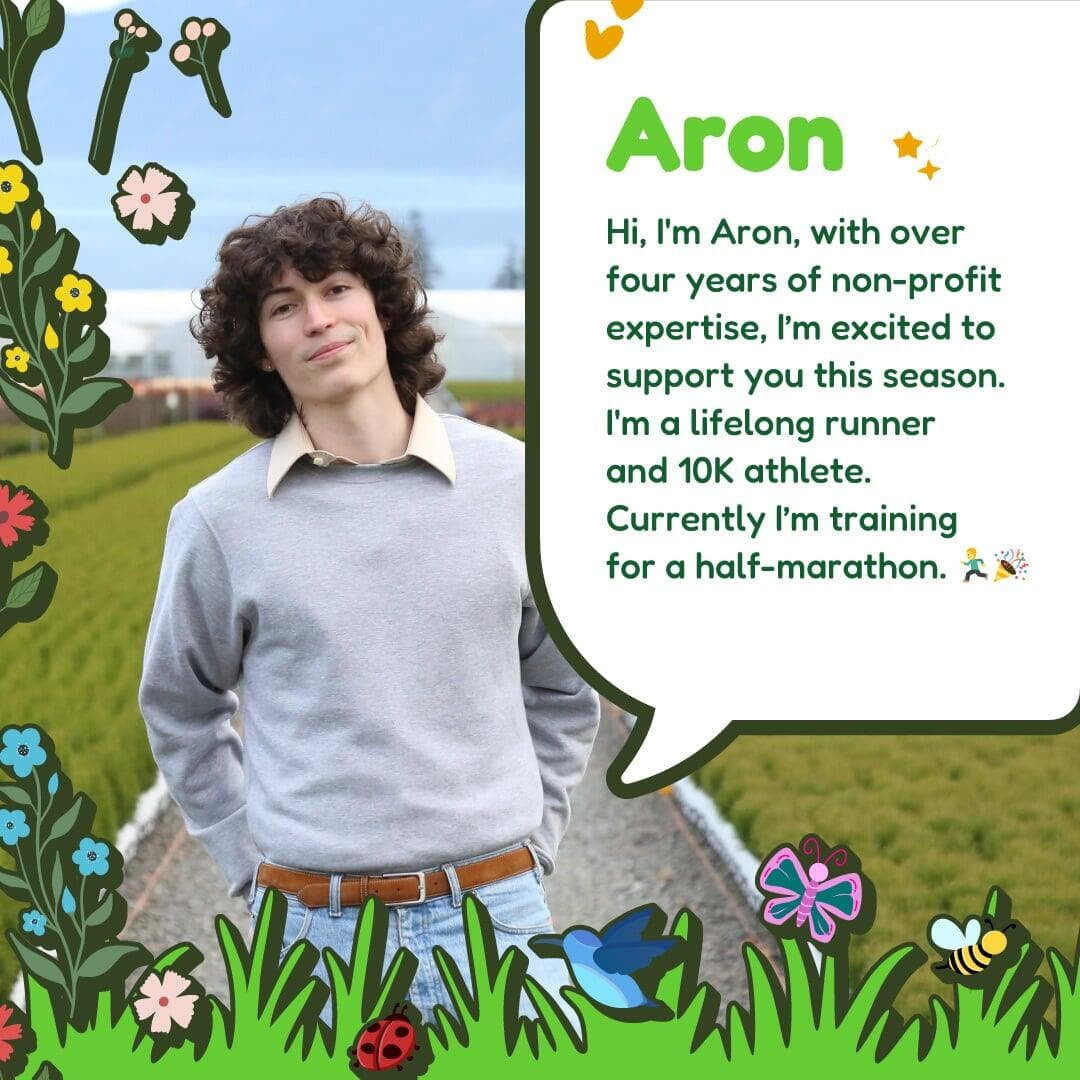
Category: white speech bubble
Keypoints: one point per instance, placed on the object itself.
(990, 100)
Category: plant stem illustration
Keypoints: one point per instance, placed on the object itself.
(198, 52)
(26, 37)
(130, 53)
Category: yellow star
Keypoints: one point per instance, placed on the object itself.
(929, 168)
(908, 145)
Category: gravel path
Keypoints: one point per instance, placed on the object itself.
(617, 854)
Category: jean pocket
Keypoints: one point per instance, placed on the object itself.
(516, 905)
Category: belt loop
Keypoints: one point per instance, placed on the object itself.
(254, 886)
(335, 896)
(536, 858)
(455, 885)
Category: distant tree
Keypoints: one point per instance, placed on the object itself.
(427, 268)
(511, 274)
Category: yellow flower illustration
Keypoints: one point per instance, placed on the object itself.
(16, 358)
(35, 221)
(51, 340)
(73, 293)
(12, 189)
(5, 261)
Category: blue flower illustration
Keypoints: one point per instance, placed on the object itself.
(22, 750)
(33, 922)
(13, 826)
(92, 857)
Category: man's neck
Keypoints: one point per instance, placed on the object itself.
(366, 428)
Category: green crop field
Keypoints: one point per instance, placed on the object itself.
(935, 820)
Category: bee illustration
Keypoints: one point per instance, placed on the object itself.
(969, 950)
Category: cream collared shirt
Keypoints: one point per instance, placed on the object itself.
(427, 440)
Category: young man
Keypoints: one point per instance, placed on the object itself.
(410, 730)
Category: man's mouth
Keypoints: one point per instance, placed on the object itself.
(328, 350)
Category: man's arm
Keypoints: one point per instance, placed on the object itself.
(563, 713)
(191, 664)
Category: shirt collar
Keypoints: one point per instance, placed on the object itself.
(427, 440)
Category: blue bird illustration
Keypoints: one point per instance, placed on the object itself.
(603, 965)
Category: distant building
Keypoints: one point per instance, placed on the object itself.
(148, 331)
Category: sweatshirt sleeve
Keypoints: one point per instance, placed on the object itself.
(563, 713)
(191, 666)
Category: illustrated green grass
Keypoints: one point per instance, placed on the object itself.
(936, 817)
(799, 1018)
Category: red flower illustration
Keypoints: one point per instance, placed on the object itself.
(9, 1033)
(12, 517)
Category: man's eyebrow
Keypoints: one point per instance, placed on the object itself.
(277, 290)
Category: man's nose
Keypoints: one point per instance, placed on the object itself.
(318, 315)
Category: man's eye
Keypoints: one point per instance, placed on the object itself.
(279, 309)
(336, 288)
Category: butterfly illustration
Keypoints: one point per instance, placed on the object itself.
(809, 895)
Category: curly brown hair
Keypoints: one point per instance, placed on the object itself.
(316, 238)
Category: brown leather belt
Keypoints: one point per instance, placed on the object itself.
(313, 890)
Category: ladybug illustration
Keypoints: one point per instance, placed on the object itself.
(386, 1043)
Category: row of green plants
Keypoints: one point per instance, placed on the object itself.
(936, 814)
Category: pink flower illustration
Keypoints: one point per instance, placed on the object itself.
(147, 198)
(166, 1001)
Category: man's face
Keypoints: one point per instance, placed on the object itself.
(323, 338)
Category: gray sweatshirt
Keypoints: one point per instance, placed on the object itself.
(403, 704)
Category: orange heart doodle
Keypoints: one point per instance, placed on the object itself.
(625, 8)
(601, 44)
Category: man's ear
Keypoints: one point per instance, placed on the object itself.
(264, 364)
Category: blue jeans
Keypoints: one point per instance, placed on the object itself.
(517, 906)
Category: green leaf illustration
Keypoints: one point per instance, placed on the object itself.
(43, 968)
(64, 823)
(24, 588)
(110, 956)
(6, 234)
(83, 350)
(39, 315)
(15, 794)
(91, 393)
(57, 882)
(36, 17)
(13, 885)
(102, 912)
(48, 1071)
(47, 259)
(24, 404)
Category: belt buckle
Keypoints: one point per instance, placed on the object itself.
(421, 882)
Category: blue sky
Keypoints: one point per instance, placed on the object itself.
(408, 104)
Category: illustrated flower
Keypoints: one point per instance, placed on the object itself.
(12, 188)
(147, 198)
(5, 261)
(73, 293)
(166, 1001)
(13, 519)
(33, 922)
(22, 747)
(35, 221)
(92, 857)
(13, 826)
(16, 357)
(9, 1033)
(52, 341)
